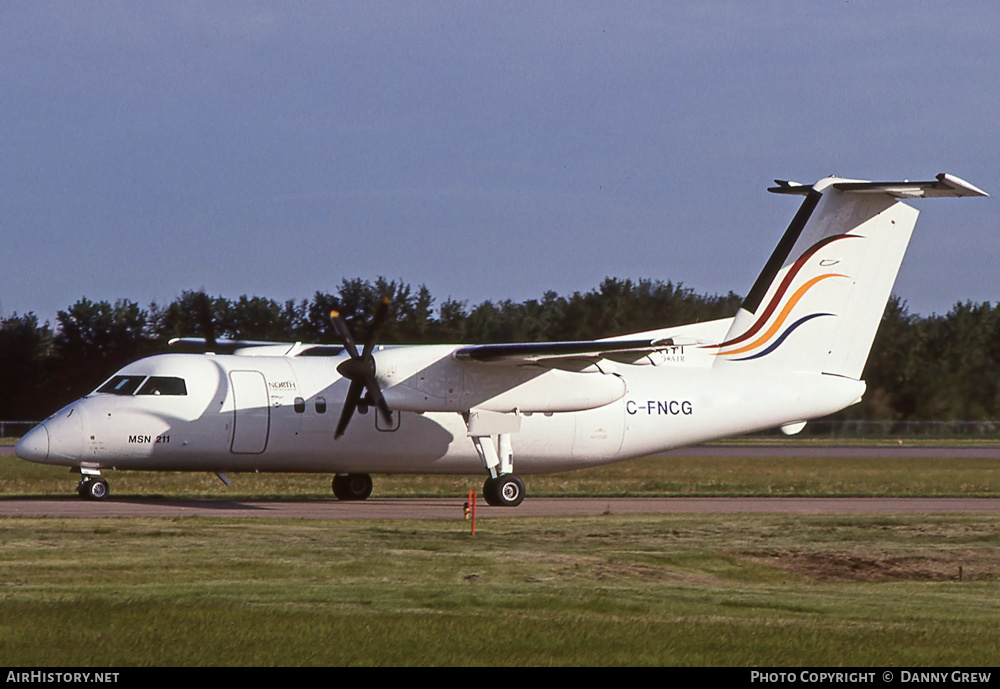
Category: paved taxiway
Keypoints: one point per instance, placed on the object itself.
(451, 508)
(883, 451)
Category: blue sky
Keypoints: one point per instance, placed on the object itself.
(487, 150)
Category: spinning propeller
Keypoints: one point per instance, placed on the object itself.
(360, 369)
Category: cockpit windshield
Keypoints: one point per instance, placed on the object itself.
(121, 385)
(163, 385)
(153, 385)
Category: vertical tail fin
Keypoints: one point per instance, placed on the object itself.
(819, 300)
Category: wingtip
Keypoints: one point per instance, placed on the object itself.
(960, 184)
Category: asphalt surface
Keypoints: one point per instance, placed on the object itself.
(902, 451)
(452, 508)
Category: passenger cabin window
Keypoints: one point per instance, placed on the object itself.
(299, 405)
(320, 405)
(121, 385)
(163, 385)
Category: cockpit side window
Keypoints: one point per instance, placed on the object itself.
(121, 385)
(163, 385)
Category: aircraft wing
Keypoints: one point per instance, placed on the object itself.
(221, 345)
(533, 352)
(255, 347)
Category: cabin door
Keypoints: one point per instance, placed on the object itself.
(251, 412)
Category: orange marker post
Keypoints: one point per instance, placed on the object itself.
(473, 494)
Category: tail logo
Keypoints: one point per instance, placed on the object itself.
(775, 334)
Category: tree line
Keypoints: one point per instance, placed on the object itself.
(937, 367)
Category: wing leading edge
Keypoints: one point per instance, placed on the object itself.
(531, 352)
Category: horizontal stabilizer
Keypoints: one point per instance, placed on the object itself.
(943, 185)
(787, 187)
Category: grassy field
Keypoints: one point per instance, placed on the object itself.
(670, 590)
(737, 590)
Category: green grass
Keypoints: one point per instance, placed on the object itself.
(614, 590)
(739, 590)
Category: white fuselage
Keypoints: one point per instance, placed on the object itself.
(278, 413)
(794, 351)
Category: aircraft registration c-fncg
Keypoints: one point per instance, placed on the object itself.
(794, 351)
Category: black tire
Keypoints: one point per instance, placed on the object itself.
(93, 489)
(352, 486)
(504, 491)
(490, 492)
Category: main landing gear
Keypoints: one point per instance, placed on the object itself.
(504, 491)
(352, 486)
(503, 488)
(91, 488)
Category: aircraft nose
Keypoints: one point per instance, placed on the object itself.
(65, 436)
(34, 446)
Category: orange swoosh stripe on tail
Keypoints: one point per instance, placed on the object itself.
(782, 288)
(780, 320)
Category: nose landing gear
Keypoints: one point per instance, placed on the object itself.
(91, 488)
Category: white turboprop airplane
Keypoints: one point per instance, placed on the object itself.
(795, 351)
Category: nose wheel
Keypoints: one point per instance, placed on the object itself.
(93, 488)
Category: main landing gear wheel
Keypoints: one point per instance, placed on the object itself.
(352, 486)
(504, 491)
(93, 488)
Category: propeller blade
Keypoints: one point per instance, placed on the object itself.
(360, 369)
(344, 333)
(350, 405)
(380, 313)
(376, 395)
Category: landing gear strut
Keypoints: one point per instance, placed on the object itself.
(352, 486)
(92, 488)
(503, 488)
